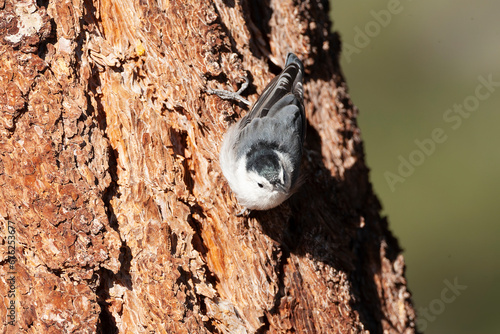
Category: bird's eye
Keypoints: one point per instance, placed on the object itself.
(260, 185)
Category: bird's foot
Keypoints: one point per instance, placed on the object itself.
(243, 213)
(228, 95)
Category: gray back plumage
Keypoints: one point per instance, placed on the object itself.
(288, 82)
(277, 119)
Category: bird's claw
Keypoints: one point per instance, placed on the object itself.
(228, 95)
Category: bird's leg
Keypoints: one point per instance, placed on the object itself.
(243, 213)
(228, 95)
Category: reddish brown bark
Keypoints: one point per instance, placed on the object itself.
(111, 189)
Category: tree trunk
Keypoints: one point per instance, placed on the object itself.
(116, 217)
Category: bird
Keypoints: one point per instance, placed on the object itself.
(260, 155)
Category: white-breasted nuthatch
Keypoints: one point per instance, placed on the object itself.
(261, 154)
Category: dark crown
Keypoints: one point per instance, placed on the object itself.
(265, 162)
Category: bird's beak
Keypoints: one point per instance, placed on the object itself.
(280, 187)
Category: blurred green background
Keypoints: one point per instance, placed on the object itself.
(420, 61)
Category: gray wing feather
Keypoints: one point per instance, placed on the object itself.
(279, 111)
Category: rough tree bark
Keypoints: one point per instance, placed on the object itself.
(113, 197)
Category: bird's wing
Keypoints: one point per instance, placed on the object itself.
(284, 90)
